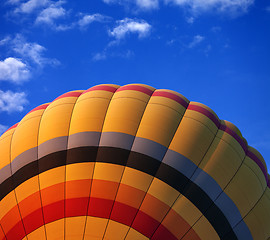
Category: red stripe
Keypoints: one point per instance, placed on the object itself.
(16, 233)
(136, 88)
(205, 112)
(76, 206)
(54, 211)
(259, 163)
(123, 213)
(14, 126)
(245, 148)
(101, 88)
(33, 221)
(162, 233)
(234, 135)
(143, 223)
(100, 207)
(69, 94)
(171, 96)
(43, 106)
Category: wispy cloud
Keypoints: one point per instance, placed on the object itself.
(147, 4)
(87, 19)
(99, 56)
(51, 13)
(139, 4)
(195, 6)
(106, 54)
(5, 41)
(45, 12)
(128, 26)
(29, 6)
(54, 15)
(225, 6)
(3, 128)
(31, 51)
(12, 101)
(190, 20)
(25, 58)
(14, 70)
(196, 40)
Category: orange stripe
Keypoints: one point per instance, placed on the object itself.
(99, 207)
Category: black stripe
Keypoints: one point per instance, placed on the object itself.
(133, 160)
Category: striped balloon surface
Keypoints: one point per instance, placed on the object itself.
(132, 163)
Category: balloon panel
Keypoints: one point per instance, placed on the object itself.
(130, 162)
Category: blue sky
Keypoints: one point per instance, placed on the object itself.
(213, 51)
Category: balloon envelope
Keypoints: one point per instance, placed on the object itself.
(130, 162)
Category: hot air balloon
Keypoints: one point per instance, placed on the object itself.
(130, 162)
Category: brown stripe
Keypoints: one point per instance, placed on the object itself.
(133, 160)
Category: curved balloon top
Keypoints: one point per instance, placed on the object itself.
(130, 162)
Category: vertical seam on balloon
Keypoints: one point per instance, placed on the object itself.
(88, 202)
(249, 211)
(125, 167)
(203, 213)
(223, 191)
(65, 180)
(3, 231)
(255, 175)
(197, 166)
(217, 205)
(152, 178)
(159, 168)
(39, 173)
(12, 177)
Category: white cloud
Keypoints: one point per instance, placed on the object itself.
(5, 41)
(190, 20)
(140, 4)
(12, 101)
(13, 1)
(127, 26)
(88, 19)
(147, 4)
(106, 54)
(99, 56)
(229, 6)
(32, 51)
(196, 40)
(14, 70)
(30, 6)
(3, 128)
(51, 13)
